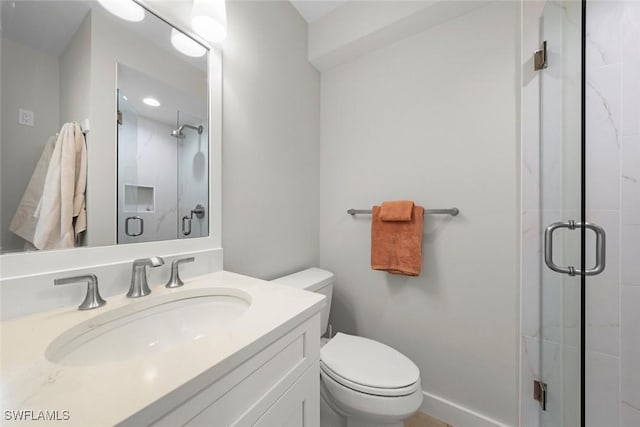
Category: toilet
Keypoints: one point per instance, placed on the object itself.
(363, 383)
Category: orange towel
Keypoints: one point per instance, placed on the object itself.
(396, 246)
(399, 210)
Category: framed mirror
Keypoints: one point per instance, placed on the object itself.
(147, 166)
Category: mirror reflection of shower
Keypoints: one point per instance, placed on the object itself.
(191, 132)
(180, 135)
(162, 160)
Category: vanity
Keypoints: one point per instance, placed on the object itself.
(222, 350)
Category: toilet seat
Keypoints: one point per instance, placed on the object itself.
(369, 367)
(374, 391)
(376, 410)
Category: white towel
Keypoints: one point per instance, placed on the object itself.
(60, 215)
(24, 220)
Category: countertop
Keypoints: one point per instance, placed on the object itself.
(108, 393)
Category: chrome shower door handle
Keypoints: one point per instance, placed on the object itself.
(186, 225)
(601, 248)
(198, 211)
(126, 226)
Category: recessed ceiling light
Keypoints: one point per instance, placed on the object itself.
(152, 102)
(186, 45)
(125, 9)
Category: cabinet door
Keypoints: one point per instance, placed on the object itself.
(247, 392)
(298, 407)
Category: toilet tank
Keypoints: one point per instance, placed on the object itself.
(313, 280)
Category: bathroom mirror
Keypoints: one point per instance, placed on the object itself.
(147, 165)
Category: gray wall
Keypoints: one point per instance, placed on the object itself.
(270, 179)
(29, 81)
(75, 75)
(433, 118)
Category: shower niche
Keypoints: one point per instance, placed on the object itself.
(163, 177)
(139, 198)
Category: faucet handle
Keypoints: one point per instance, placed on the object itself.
(92, 299)
(174, 280)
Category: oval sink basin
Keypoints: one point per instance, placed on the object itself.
(151, 325)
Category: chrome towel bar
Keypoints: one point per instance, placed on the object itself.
(452, 211)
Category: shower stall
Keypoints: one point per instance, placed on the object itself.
(162, 175)
(581, 215)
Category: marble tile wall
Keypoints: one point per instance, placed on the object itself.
(603, 137)
(613, 145)
(630, 218)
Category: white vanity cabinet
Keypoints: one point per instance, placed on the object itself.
(258, 369)
(279, 386)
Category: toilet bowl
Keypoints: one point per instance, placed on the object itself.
(362, 382)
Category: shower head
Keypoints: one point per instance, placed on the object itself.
(180, 135)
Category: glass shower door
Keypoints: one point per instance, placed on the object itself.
(133, 197)
(561, 214)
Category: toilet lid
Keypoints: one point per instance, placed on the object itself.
(356, 361)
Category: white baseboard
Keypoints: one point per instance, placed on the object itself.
(454, 414)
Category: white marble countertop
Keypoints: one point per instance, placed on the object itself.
(108, 393)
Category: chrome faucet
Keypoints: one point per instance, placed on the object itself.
(139, 286)
(175, 281)
(92, 299)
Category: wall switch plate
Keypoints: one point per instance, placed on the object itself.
(26, 117)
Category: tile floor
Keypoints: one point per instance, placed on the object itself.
(423, 420)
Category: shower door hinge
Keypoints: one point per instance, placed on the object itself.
(540, 57)
(119, 117)
(540, 393)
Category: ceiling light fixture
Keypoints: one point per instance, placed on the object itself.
(152, 102)
(209, 19)
(125, 9)
(186, 45)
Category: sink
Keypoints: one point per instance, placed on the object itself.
(153, 324)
